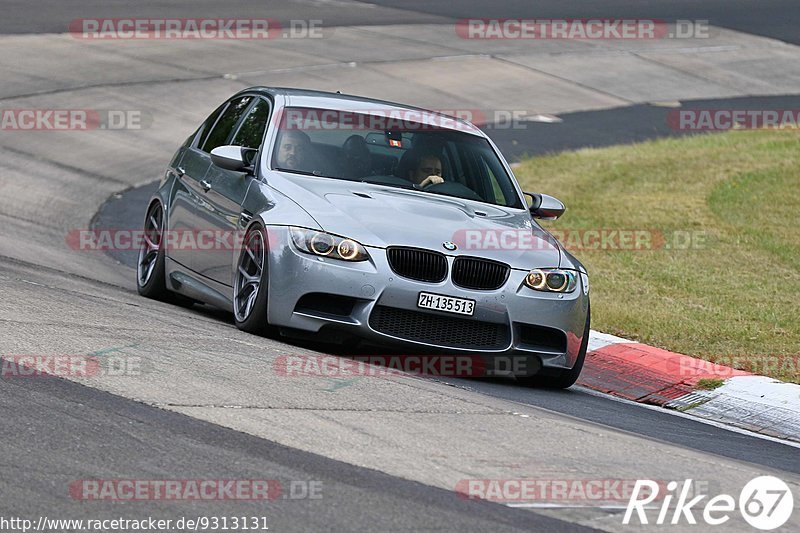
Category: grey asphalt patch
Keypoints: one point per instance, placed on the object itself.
(124, 211)
(91, 434)
(778, 19)
(54, 16)
(622, 125)
(649, 422)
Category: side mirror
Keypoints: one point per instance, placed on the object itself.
(236, 158)
(545, 206)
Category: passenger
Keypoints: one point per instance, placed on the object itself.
(358, 160)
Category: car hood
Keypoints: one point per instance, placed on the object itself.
(382, 216)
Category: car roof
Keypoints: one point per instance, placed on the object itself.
(346, 102)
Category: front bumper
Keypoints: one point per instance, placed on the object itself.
(516, 319)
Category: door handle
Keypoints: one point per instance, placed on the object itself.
(205, 185)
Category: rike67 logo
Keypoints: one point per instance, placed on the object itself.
(765, 503)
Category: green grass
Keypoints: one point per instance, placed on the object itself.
(709, 384)
(731, 297)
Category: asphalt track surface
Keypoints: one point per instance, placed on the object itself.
(771, 18)
(115, 438)
(622, 125)
(779, 19)
(62, 430)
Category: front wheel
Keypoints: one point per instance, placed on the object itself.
(565, 378)
(251, 283)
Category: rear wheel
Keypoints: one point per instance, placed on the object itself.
(562, 379)
(150, 277)
(251, 283)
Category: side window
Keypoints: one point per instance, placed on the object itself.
(251, 131)
(497, 192)
(202, 132)
(227, 121)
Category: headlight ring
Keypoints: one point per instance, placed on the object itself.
(323, 244)
(551, 280)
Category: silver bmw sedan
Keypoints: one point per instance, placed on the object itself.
(340, 218)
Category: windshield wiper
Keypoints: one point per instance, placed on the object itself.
(315, 173)
(390, 184)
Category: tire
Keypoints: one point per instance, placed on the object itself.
(251, 283)
(150, 276)
(562, 379)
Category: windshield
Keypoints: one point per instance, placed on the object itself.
(388, 150)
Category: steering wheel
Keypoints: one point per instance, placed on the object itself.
(452, 188)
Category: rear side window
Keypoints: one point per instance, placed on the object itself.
(205, 128)
(227, 121)
(251, 131)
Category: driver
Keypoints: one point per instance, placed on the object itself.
(295, 152)
(426, 171)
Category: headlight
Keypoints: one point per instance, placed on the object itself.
(326, 245)
(551, 280)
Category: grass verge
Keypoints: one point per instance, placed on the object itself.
(718, 217)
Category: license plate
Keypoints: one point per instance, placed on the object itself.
(448, 304)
